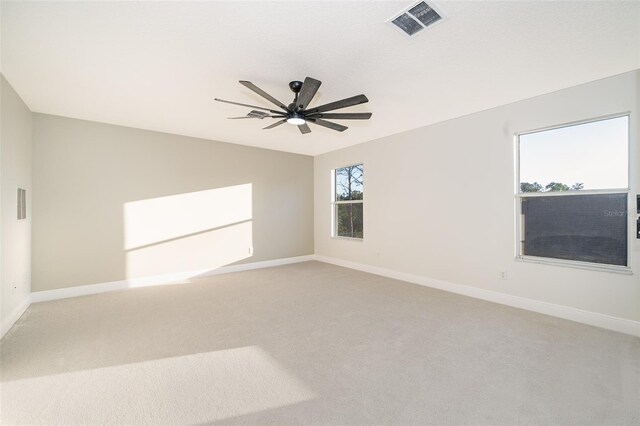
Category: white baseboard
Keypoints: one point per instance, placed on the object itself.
(14, 316)
(586, 317)
(176, 278)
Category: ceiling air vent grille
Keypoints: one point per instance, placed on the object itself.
(417, 17)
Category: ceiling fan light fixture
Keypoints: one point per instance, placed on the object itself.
(296, 120)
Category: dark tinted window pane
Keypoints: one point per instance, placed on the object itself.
(588, 228)
(349, 220)
(350, 183)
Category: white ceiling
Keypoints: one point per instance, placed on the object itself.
(158, 65)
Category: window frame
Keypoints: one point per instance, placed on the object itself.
(335, 203)
(519, 196)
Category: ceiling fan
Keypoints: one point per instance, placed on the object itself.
(298, 112)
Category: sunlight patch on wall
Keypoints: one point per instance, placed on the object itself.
(190, 389)
(199, 252)
(193, 232)
(165, 218)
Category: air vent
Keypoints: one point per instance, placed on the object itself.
(417, 17)
(407, 24)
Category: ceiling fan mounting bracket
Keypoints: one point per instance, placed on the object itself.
(295, 86)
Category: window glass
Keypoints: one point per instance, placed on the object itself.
(558, 219)
(349, 183)
(584, 156)
(349, 220)
(587, 228)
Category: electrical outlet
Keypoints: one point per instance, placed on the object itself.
(503, 275)
(13, 289)
(250, 250)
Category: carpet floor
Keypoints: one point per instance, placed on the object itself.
(310, 343)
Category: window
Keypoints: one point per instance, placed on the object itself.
(573, 183)
(348, 199)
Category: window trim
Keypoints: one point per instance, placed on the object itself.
(334, 204)
(603, 267)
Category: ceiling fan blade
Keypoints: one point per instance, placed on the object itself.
(249, 85)
(277, 123)
(258, 114)
(308, 91)
(304, 128)
(255, 116)
(250, 106)
(329, 124)
(354, 100)
(343, 116)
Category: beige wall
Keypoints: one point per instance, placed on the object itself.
(15, 172)
(439, 201)
(114, 203)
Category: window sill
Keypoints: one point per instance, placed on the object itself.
(347, 238)
(625, 270)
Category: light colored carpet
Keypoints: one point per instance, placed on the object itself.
(310, 343)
